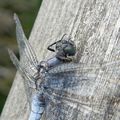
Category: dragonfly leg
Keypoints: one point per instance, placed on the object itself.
(37, 107)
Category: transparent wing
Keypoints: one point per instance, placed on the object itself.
(68, 83)
(63, 90)
(27, 65)
(71, 86)
(71, 67)
(25, 48)
(61, 107)
(69, 76)
(29, 80)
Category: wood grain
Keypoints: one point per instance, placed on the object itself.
(94, 25)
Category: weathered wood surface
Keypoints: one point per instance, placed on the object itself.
(95, 27)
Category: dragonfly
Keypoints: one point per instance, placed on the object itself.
(53, 86)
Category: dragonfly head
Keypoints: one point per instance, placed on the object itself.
(66, 45)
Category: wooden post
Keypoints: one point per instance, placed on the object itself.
(95, 27)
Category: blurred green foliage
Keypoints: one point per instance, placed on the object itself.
(27, 11)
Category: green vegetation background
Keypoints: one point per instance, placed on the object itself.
(27, 11)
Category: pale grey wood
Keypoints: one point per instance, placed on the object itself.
(94, 26)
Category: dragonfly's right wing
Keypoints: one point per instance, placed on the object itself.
(69, 78)
(78, 67)
(70, 86)
(63, 89)
(71, 74)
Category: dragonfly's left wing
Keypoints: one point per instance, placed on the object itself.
(25, 49)
(27, 66)
(29, 80)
